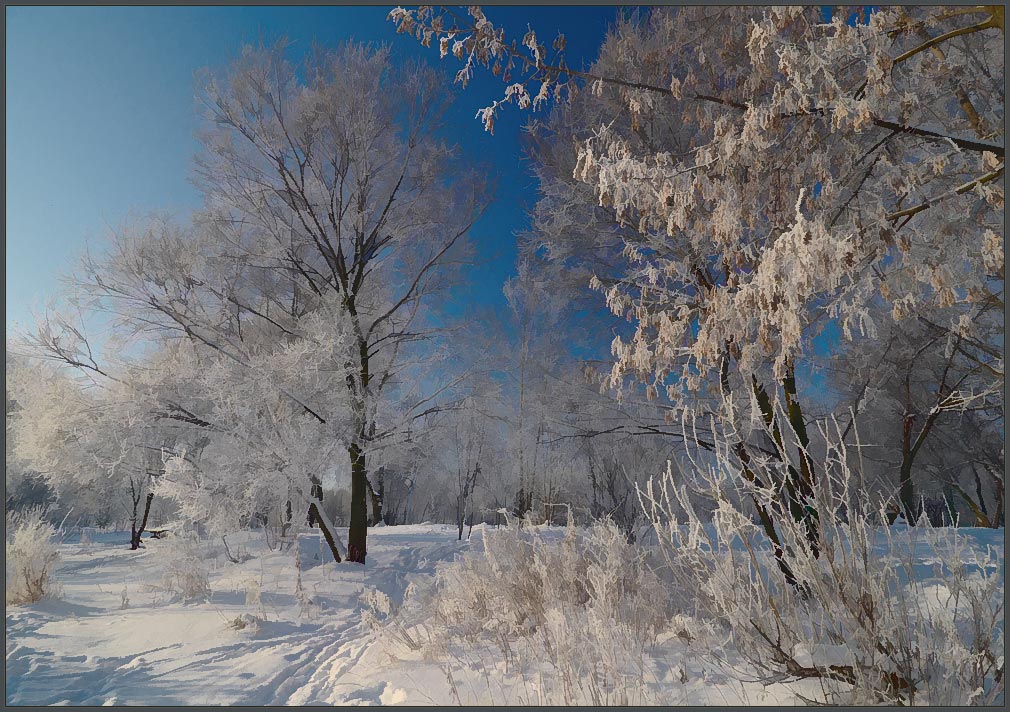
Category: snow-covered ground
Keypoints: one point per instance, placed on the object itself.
(115, 638)
(87, 648)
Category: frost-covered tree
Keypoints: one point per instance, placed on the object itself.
(535, 312)
(468, 441)
(766, 172)
(340, 179)
(24, 488)
(262, 453)
(88, 441)
(335, 213)
(234, 391)
(932, 400)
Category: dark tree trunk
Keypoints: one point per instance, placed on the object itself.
(288, 516)
(795, 415)
(767, 522)
(136, 533)
(906, 490)
(376, 496)
(910, 445)
(797, 484)
(978, 491)
(327, 534)
(523, 503)
(998, 516)
(316, 495)
(358, 529)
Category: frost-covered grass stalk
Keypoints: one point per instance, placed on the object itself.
(32, 557)
(86, 541)
(186, 572)
(877, 613)
(570, 614)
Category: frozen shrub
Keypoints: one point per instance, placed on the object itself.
(874, 613)
(32, 557)
(379, 614)
(572, 612)
(253, 587)
(185, 571)
(254, 593)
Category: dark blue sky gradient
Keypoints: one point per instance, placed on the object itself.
(101, 116)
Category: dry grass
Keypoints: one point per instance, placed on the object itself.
(32, 557)
(571, 614)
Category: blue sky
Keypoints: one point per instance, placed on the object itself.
(101, 116)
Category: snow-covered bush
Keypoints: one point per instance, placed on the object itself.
(186, 572)
(572, 611)
(253, 586)
(874, 613)
(32, 557)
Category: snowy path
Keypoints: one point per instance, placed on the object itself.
(86, 649)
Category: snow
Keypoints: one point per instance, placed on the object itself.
(88, 649)
(313, 550)
(85, 649)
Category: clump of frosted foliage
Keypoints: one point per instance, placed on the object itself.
(186, 572)
(32, 557)
(573, 611)
(875, 613)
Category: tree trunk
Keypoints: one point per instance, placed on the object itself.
(795, 414)
(766, 519)
(376, 497)
(998, 516)
(315, 513)
(797, 484)
(978, 491)
(286, 524)
(316, 494)
(906, 490)
(135, 532)
(358, 530)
